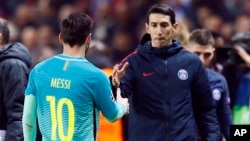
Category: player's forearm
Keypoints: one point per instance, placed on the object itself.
(29, 131)
(122, 110)
(122, 106)
(29, 126)
(29, 118)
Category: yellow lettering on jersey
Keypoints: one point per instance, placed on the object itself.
(60, 83)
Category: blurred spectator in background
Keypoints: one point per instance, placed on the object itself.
(100, 54)
(234, 67)
(241, 112)
(47, 42)
(29, 39)
(122, 44)
(25, 14)
(212, 23)
(241, 24)
(65, 10)
(105, 22)
(40, 40)
(182, 34)
(15, 63)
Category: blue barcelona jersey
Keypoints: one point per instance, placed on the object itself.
(70, 92)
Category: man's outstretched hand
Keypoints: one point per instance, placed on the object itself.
(118, 74)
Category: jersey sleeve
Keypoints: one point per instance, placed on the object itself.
(105, 101)
(30, 89)
(29, 111)
(29, 118)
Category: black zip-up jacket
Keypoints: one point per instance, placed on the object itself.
(15, 62)
(169, 95)
(220, 93)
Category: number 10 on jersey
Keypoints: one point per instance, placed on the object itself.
(57, 119)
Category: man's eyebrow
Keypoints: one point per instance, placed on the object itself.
(197, 52)
(208, 53)
(159, 22)
(164, 23)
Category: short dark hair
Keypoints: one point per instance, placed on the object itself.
(4, 29)
(201, 36)
(164, 9)
(75, 28)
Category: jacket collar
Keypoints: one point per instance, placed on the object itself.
(145, 46)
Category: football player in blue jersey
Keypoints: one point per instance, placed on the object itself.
(66, 92)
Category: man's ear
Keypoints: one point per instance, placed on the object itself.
(213, 52)
(1, 38)
(60, 39)
(147, 27)
(213, 49)
(88, 39)
(175, 27)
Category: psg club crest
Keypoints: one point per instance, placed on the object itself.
(182, 74)
(216, 94)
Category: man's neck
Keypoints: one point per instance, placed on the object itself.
(75, 51)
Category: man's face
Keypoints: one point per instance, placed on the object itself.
(204, 52)
(160, 29)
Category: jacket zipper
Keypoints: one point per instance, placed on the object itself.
(167, 100)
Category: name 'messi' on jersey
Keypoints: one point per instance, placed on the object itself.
(60, 83)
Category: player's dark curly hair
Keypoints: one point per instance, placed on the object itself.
(75, 28)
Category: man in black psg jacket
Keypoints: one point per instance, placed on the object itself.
(167, 86)
(15, 63)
